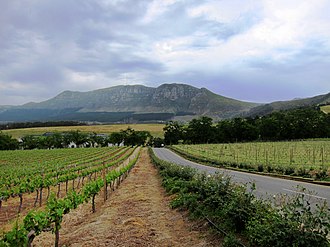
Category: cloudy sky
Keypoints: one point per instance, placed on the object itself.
(255, 50)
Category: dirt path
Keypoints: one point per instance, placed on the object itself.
(137, 214)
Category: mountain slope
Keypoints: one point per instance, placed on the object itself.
(122, 103)
(286, 105)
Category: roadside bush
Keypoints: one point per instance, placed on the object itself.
(235, 211)
(260, 168)
(289, 170)
(231, 241)
(270, 169)
(294, 224)
(302, 172)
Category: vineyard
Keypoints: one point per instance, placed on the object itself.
(55, 181)
(300, 158)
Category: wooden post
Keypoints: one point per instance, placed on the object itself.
(58, 189)
(48, 192)
(20, 202)
(256, 155)
(40, 197)
(291, 156)
(66, 186)
(105, 183)
(36, 200)
(322, 156)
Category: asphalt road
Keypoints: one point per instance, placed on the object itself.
(266, 187)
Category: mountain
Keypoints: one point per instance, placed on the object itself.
(129, 103)
(265, 109)
(137, 103)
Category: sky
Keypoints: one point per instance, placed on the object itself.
(252, 50)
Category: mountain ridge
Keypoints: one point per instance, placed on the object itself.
(138, 103)
(261, 110)
(168, 100)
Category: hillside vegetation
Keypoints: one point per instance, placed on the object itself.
(131, 103)
(263, 110)
(326, 109)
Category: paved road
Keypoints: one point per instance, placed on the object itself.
(266, 186)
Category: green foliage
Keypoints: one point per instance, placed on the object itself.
(7, 142)
(36, 221)
(231, 241)
(30, 142)
(57, 208)
(157, 142)
(132, 137)
(309, 159)
(285, 125)
(294, 224)
(173, 132)
(200, 130)
(15, 238)
(234, 210)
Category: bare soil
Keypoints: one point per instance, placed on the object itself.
(135, 214)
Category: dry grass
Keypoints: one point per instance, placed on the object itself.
(155, 129)
(326, 108)
(137, 214)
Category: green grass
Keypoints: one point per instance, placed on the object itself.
(305, 158)
(155, 129)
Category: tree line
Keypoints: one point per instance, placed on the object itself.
(128, 137)
(23, 125)
(284, 125)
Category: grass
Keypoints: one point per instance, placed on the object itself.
(155, 129)
(326, 108)
(305, 157)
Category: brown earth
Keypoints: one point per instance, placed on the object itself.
(136, 214)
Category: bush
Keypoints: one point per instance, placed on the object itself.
(260, 168)
(231, 241)
(289, 170)
(270, 169)
(232, 208)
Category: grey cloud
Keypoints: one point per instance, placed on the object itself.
(41, 72)
(42, 42)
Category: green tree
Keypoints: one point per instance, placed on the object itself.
(201, 130)
(173, 132)
(132, 137)
(30, 142)
(116, 138)
(77, 137)
(7, 142)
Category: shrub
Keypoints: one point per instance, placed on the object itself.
(232, 208)
(260, 168)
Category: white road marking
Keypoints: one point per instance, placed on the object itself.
(302, 193)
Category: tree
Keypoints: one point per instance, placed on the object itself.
(132, 137)
(30, 142)
(173, 132)
(76, 137)
(157, 142)
(94, 139)
(224, 131)
(116, 138)
(201, 130)
(244, 129)
(58, 140)
(7, 142)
